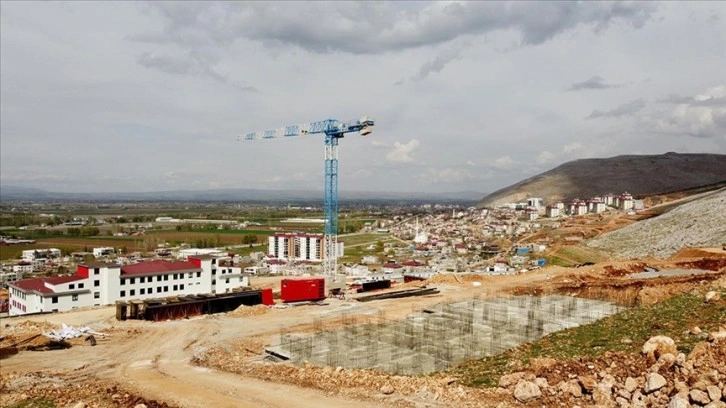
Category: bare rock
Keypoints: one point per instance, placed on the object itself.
(656, 346)
(542, 364)
(716, 404)
(715, 336)
(508, 380)
(680, 359)
(79, 405)
(678, 401)
(712, 296)
(602, 397)
(526, 391)
(667, 360)
(588, 383)
(541, 382)
(631, 384)
(696, 330)
(140, 406)
(714, 392)
(699, 397)
(571, 387)
(387, 389)
(654, 382)
(622, 402)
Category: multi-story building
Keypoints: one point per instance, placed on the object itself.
(299, 247)
(96, 284)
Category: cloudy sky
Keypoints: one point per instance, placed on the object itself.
(128, 96)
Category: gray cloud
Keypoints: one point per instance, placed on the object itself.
(627, 109)
(595, 82)
(373, 27)
(710, 101)
(437, 64)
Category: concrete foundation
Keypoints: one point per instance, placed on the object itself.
(434, 339)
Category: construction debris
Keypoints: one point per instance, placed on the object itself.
(422, 291)
(70, 332)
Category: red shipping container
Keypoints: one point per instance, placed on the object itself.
(267, 298)
(300, 290)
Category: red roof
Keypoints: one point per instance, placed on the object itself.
(38, 284)
(412, 263)
(392, 266)
(158, 266)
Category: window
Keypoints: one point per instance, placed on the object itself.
(214, 272)
(132, 292)
(176, 287)
(74, 298)
(158, 289)
(54, 299)
(158, 278)
(166, 277)
(96, 271)
(214, 281)
(122, 294)
(142, 291)
(123, 282)
(214, 261)
(96, 295)
(133, 280)
(181, 287)
(166, 288)
(199, 274)
(226, 280)
(80, 286)
(72, 286)
(191, 275)
(96, 283)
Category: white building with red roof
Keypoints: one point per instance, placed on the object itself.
(96, 284)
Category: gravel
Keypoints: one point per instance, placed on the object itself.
(700, 223)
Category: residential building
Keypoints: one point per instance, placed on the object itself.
(23, 267)
(96, 284)
(552, 211)
(299, 247)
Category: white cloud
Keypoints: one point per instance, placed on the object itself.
(545, 156)
(703, 115)
(572, 147)
(503, 162)
(378, 143)
(403, 152)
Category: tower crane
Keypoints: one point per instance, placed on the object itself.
(333, 130)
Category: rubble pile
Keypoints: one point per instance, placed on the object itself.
(249, 311)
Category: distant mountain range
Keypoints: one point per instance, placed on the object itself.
(635, 174)
(17, 193)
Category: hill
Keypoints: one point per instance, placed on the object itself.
(637, 174)
(698, 223)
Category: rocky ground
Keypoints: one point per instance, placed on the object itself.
(701, 223)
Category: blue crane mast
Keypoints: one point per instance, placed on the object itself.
(333, 130)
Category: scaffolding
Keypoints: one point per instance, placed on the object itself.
(438, 337)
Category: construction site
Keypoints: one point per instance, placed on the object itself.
(394, 351)
(440, 336)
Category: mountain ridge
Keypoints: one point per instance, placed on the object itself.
(635, 174)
